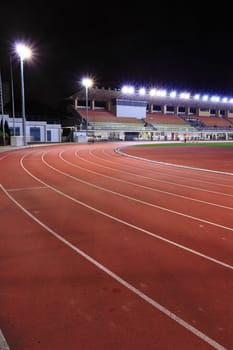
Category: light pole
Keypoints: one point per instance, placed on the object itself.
(12, 96)
(24, 52)
(2, 109)
(87, 83)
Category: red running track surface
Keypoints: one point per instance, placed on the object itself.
(104, 251)
(194, 155)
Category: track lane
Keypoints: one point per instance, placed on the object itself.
(141, 283)
(153, 195)
(50, 293)
(162, 226)
(214, 159)
(66, 182)
(120, 175)
(45, 200)
(110, 155)
(166, 178)
(160, 169)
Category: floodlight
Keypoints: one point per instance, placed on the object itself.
(215, 98)
(173, 94)
(161, 93)
(126, 89)
(23, 51)
(185, 95)
(152, 92)
(142, 91)
(87, 83)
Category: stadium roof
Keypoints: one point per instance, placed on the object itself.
(181, 99)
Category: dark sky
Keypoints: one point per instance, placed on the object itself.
(117, 42)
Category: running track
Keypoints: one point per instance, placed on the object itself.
(99, 250)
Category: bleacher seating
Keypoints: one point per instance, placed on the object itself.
(103, 120)
(166, 121)
(156, 118)
(214, 121)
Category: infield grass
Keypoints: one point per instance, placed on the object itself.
(185, 144)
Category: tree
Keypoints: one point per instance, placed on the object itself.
(7, 132)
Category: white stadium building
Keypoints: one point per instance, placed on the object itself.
(153, 114)
(132, 114)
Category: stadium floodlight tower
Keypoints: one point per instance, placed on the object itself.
(87, 83)
(24, 53)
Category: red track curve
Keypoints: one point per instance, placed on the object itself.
(103, 251)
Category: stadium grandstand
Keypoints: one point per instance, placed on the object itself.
(140, 114)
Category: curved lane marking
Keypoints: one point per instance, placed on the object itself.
(119, 151)
(125, 222)
(120, 280)
(159, 171)
(136, 200)
(142, 186)
(3, 342)
(158, 180)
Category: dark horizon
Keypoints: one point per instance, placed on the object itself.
(124, 45)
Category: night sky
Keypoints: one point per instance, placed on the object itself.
(116, 43)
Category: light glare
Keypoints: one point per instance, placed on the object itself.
(127, 89)
(161, 93)
(152, 92)
(87, 82)
(215, 98)
(142, 91)
(173, 94)
(205, 98)
(23, 51)
(185, 95)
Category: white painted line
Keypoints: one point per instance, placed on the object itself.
(138, 200)
(119, 151)
(155, 179)
(26, 188)
(125, 222)
(142, 186)
(3, 342)
(120, 280)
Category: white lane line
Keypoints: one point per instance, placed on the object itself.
(137, 200)
(125, 222)
(142, 186)
(157, 180)
(167, 164)
(119, 151)
(3, 342)
(120, 280)
(25, 188)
